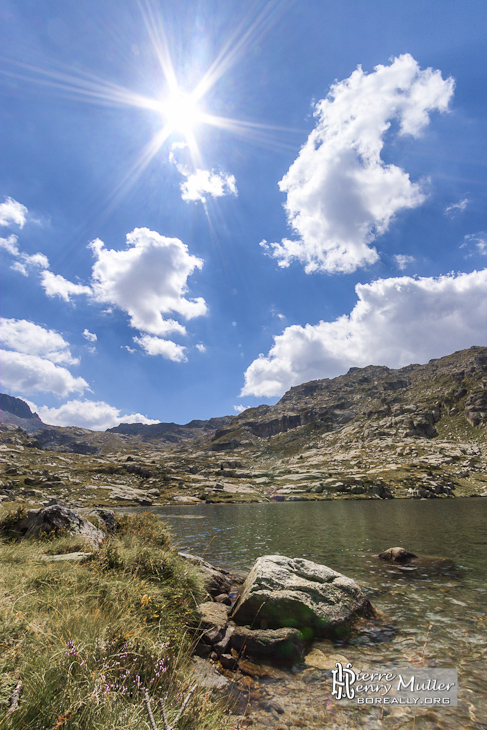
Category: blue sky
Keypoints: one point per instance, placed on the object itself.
(205, 203)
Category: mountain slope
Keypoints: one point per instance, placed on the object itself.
(16, 412)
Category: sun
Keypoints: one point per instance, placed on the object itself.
(181, 113)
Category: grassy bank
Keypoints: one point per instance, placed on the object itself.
(86, 638)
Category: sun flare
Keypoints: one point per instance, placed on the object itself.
(181, 113)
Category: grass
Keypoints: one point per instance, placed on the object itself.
(87, 639)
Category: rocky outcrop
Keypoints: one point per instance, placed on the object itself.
(57, 518)
(476, 408)
(297, 593)
(73, 440)
(218, 581)
(407, 403)
(16, 412)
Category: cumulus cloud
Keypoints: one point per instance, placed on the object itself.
(147, 280)
(90, 336)
(32, 339)
(457, 207)
(157, 346)
(33, 358)
(207, 182)
(95, 415)
(57, 286)
(341, 195)
(24, 374)
(12, 212)
(201, 182)
(395, 322)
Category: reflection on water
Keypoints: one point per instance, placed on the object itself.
(448, 593)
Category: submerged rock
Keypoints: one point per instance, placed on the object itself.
(397, 555)
(297, 593)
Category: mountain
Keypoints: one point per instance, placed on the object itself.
(171, 432)
(417, 401)
(16, 412)
(373, 433)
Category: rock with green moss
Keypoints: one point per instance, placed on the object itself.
(297, 593)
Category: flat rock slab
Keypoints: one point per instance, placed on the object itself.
(70, 557)
(297, 593)
(285, 644)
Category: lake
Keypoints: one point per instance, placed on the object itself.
(447, 600)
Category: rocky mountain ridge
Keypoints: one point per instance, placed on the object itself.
(407, 402)
(373, 433)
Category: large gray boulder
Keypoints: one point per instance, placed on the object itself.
(293, 592)
(57, 517)
(218, 581)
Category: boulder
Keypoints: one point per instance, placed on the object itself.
(397, 555)
(297, 593)
(217, 580)
(285, 644)
(57, 517)
(213, 621)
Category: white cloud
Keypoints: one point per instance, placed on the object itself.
(340, 194)
(36, 261)
(57, 286)
(156, 346)
(457, 207)
(207, 182)
(24, 374)
(12, 212)
(201, 182)
(32, 339)
(90, 336)
(476, 243)
(201, 348)
(10, 245)
(147, 280)
(395, 322)
(403, 261)
(240, 409)
(95, 415)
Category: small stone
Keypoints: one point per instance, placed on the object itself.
(223, 598)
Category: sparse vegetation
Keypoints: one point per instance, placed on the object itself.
(86, 640)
